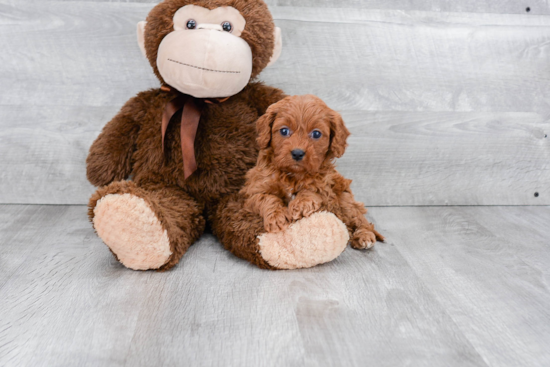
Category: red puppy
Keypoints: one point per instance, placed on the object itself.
(299, 137)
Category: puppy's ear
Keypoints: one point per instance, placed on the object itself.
(338, 135)
(264, 125)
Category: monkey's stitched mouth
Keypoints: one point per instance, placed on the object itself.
(205, 69)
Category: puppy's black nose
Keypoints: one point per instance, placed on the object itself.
(298, 154)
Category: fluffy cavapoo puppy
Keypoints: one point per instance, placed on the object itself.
(299, 138)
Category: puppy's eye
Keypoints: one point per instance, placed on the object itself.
(285, 131)
(191, 24)
(316, 134)
(226, 26)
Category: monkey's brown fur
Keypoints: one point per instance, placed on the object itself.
(225, 147)
(258, 32)
(282, 190)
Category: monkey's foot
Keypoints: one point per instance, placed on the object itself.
(132, 231)
(318, 239)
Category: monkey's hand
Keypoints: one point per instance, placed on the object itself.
(110, 155)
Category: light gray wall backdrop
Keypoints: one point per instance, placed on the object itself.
(448, 102)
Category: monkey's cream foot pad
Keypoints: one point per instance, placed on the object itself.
(132, 231)
(318, 239)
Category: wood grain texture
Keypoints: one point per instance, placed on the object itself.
(453, 286)
(474, 6)
(415, 61)
(488, 267)
(394, 158)
(72, 54)
(448, 158)
(44, 151)
(19, 231)
(68, 67)
(86, 54)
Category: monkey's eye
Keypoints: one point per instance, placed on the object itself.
(285, 131)
(226, 26)
(316, 134)
(191, 24)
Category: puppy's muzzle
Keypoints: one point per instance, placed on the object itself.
(298, 154)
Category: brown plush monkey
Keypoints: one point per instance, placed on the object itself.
(188, 145)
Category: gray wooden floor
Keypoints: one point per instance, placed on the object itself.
(448, 103)
(453, 286)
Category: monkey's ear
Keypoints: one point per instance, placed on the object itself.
(141, 36)
(338, 135)
(278, 46)
(264, 126)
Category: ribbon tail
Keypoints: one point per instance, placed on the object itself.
(189, 124)
(169, 111)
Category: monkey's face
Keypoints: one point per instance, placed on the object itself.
(205, 53)
(205, 56)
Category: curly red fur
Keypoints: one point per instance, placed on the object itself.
(282, 189)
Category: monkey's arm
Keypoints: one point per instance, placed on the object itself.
(110, 156)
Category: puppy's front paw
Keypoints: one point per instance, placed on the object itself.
(302, 208)
(276, 221)
(363, 239)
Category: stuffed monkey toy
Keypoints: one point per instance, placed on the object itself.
(188, 145)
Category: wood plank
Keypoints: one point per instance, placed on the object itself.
(473, 6)
(490, 68)
(488, 266)
(44, 151)
(19, 226)
(448, 158)
(394, 158)
(356, 60)
(73, 304)
(415, 61)
(47, 299)
(72, 54)
(470, 6)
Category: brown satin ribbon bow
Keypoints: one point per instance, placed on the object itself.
(190, 118)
